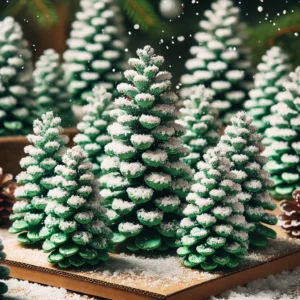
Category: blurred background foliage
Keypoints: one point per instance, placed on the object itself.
(46, 24)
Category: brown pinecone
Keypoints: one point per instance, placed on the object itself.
(290, 221)
(7, 199)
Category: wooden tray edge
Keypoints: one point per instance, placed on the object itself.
(83, 284)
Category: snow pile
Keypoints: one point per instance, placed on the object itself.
(23, 290)
(160, 272)
(283, 286)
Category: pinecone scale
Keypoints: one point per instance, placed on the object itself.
(290, 220)
(7, 199)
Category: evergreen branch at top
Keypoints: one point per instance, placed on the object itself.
(41, 6)
(13, 8)
(141, 12)
(285, 31)
(266, 35)
(46, 14)
(43, 11)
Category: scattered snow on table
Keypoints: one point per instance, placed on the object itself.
(167, 270)
(24, 290)
(155, 272)
(283, 286)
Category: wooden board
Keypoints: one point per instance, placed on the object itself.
(12, 150)
(130, 277)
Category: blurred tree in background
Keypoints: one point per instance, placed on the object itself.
(46, 24)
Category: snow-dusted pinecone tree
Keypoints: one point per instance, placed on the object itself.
(48, 146)
(96, 49)
(220, 61)
(284, 133)
(213, 232)
(272, 72)
(51, 89)
(93, 136)
(76, 214)
(4, 271)
(16, 105)
(146, 181)
(243, 148)
(201, 122)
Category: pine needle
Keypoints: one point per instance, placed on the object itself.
(141, 12)
(263, 36)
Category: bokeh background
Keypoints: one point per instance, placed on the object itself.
(46, 24)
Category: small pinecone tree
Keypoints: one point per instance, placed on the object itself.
(4, 271)
(284, 133)
(7, 198)
(76, 215)
(16, 105)
(219, 60)
(146, 181)
(243, 148)
(290, 220)
(272, 72)
(96, 49)
(214, 231)
(200, 120)
(48, 146)
(51, 89)
(93, 136)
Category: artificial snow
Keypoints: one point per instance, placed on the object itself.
(24, 290)
(162, 271)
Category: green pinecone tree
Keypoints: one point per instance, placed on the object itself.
(4, 271)
(76, 215)
(213, 233)
(146, 181)
(243, 147)
(93, 136)
(16, 104)
(284, 134)
(45, 153)
(96, 49)
(201, 122)
(272, 72)
(51, 89)
(220, 61)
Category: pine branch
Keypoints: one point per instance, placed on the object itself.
(262, 36)
(45, 10)
(141, 12)
(41, 6)
(12, 8)
(282, 32)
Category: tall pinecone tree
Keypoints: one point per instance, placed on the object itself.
(51, 89)
(76, 215)
(268, 82)
(7, 198)
(4, 271)
(214, 231)
(146, 182)
(284, 149)
(220, 61)
(201, 122)
(16, 105)
(243, 148)
(48, 146)
(93, 136)
(95, 49)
